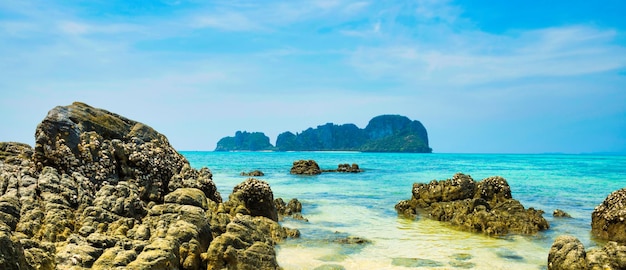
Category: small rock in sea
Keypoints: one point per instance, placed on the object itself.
(415, 262)
(354, 168)
(353, 240)
(509, 255)
(306, 167)
(461, 260)
(462, 264)
(329, 267)
(561, 213)
(461, 256)
(254, 173)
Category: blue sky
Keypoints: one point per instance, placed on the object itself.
(482, 76)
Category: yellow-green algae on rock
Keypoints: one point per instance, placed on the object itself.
(100, 191)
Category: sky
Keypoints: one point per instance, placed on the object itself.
(482, 76)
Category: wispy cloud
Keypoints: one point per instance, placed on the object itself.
(565, 51)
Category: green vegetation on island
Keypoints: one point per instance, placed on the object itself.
(384, 133)
(245, 141)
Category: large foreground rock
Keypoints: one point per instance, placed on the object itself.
(568, 253)
(608, 220)
(486, 206)
(100, 191)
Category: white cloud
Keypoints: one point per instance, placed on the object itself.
(228, 21)
(565, 51)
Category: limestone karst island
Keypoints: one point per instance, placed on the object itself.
(384, 133)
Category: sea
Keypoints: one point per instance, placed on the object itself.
(361, 206)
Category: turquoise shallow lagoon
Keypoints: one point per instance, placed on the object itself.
(339, 205)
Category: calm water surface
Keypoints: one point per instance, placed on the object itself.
(362, 205)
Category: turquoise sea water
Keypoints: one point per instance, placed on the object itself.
(339, 205)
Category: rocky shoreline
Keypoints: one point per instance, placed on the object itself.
(100, 191)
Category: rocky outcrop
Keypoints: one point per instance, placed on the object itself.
(252, 197)
(104, 146)
(608, 220)
(486, 206)
(100, 191)
(306, 167)
(346, 168)
(255, 173)
(251, 229)
(560, 214)
(245, 141)
(567, 252)
(292, 209)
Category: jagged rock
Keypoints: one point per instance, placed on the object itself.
(15, 153)
(12, 253)
(354, 168)
(188, 196)
(307, 167)
(611, 256)
(100, 191)
(346, 168)
(291, 209)
(352, 240)
(253, 197)
(561, 214)
(247, 244)
(608, 220)
(484, 206)
(104, 146)
(200, 179)
(255, 173)
(460, 187)
(567, 252)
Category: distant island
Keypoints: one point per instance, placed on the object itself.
(384, 133)
(245, 141)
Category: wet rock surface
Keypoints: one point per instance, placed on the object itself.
(608, 220)
(485, 206)
(292, 209)
(560, 214)
(346, 168)
(255, 173)
(567, 252)
(100, 191)
(305, 167)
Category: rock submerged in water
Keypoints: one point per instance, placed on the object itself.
(560, 214)
(104, 192)
(486, 206)
(292, 209)
(255, 173)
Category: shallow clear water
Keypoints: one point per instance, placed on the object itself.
(362, 205)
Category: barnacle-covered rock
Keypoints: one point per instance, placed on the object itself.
(608, 220)
(485, 206)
